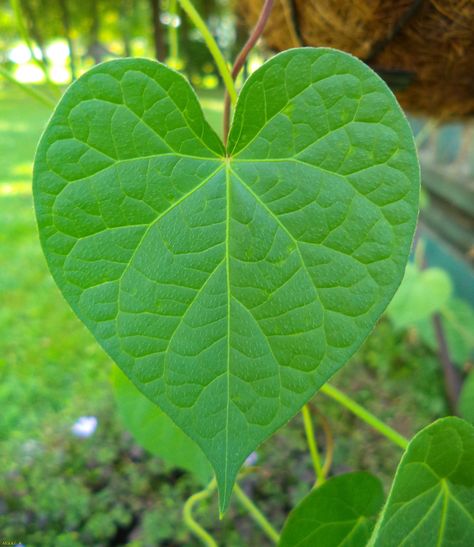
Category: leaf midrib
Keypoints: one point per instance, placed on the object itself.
(227, 262)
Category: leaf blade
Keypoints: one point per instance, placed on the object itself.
(155, 432)
(432, 497)
(208, 291)
(342, 511)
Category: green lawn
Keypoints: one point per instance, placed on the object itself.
(48, 360)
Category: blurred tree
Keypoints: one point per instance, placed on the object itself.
(66, 20)
(99, 29)
(158, 30)
(31, 19)
(126, 14)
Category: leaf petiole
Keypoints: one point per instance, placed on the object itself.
(242, 57)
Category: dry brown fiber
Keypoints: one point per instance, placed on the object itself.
(428, 45)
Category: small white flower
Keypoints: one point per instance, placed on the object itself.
(252, 459)
(85, 426)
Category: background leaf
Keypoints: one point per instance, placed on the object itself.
(457, 318)
(432, 497)
(421, 293)
(229, 288)
(154, 431)
(342, 511)
(466, 399)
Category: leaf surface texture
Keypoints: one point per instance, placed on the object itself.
(340, 513)
(229, 286)
(432, 497)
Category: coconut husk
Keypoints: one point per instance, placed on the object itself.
(423, 48)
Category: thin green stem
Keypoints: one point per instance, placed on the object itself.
(173, 31)
(16, 6)
(329, 445)
(212, 46)
(27, 89)
(196, 528)
(313, 447)
(365, 415)
(256, 514)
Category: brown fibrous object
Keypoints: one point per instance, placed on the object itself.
(427, 44)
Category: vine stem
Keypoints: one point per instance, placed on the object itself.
(188, 518)
(313, 447)
(365, 415)
(256, 514)
(242, 56)
(199, 23)
(329, 445)
(27, 89)
(244, 500)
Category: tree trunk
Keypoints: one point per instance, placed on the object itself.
(94, 46)
(67, 32)
(34, 29)
(126, 8)
(160, 51)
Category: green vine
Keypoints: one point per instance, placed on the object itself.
(222, 66)
(365, 415)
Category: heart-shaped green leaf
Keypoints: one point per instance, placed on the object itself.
(228, 286)
(154, 431)
(340, 512)
(432, 497)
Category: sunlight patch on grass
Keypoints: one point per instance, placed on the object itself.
(15, 189)
(16, 127)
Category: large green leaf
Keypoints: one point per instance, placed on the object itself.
(228, 286)
(154, 431)
(432, 498)
(341, 512)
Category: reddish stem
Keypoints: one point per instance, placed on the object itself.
(452, 381)
(242, 56)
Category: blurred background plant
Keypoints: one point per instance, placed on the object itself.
(73, 468)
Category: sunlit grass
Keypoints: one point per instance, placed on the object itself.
(51, 369)
(15, 189)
